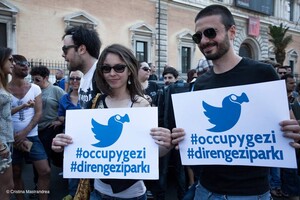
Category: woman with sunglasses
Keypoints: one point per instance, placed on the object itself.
(69, 101)
(6, 131)
(117, 78)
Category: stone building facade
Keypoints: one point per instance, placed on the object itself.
(157, 31)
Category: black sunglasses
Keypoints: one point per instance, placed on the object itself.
(65, 48)
(119, 68)
(75, 78)
(23, 63)
(146, 69)
(209, 33)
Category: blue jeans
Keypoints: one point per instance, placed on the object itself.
(190, 194)
(274, 178)
(96, 195)
(290, 182)
(204, 194)
(72, 185)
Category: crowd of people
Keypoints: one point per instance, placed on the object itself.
(33, 115)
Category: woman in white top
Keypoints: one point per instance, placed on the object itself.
(117, 78)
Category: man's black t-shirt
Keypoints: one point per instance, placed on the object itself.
(236, 180)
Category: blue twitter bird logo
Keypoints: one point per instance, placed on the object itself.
(227, 116)
(110, 133)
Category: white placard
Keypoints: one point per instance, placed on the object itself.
(111, 143)
(235, 126)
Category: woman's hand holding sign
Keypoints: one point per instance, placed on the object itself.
(162, 137)
(60, 141)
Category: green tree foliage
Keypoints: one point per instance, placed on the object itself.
(280, 41)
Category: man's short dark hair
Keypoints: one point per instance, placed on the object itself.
(170, 70)
(280, 67)
(286, 76)
(42, 70)
(87, 37)
(226, 16)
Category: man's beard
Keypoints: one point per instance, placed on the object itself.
(222, 49)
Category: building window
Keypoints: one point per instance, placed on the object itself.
(292, 58)
(142, 39)
(246, 51)
(289, 10)
(185, 59)
(3, 36)
(141, 51)
(80, 19)
(8, 23)
(186, 50)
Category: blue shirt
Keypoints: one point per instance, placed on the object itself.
(65, 103)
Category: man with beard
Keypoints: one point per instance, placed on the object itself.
(215, 31)
(81, 50)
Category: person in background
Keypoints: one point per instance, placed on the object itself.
(150, 88)
(47, 128)
(25, 123)
(6, 134)
(274, 175)
(290, 87)
(191, 75)
(166, 119)
(117, 78)
(153, 76)
(70, 101)
(170, 75)
(290, 179)
(60, 78)
(151, 91)
(81, 51)
(281, 71)
(288, 69)
(215, 32)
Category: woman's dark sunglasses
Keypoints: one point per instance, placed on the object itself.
(209, 33)
(75, 78)
(119, 68)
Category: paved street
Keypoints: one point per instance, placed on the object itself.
(59, 188)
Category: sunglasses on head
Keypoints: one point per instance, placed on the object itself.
(146, 69)
(65, 48)
(75, 78)
(119, 68)
(209, 33)
(23, 63)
